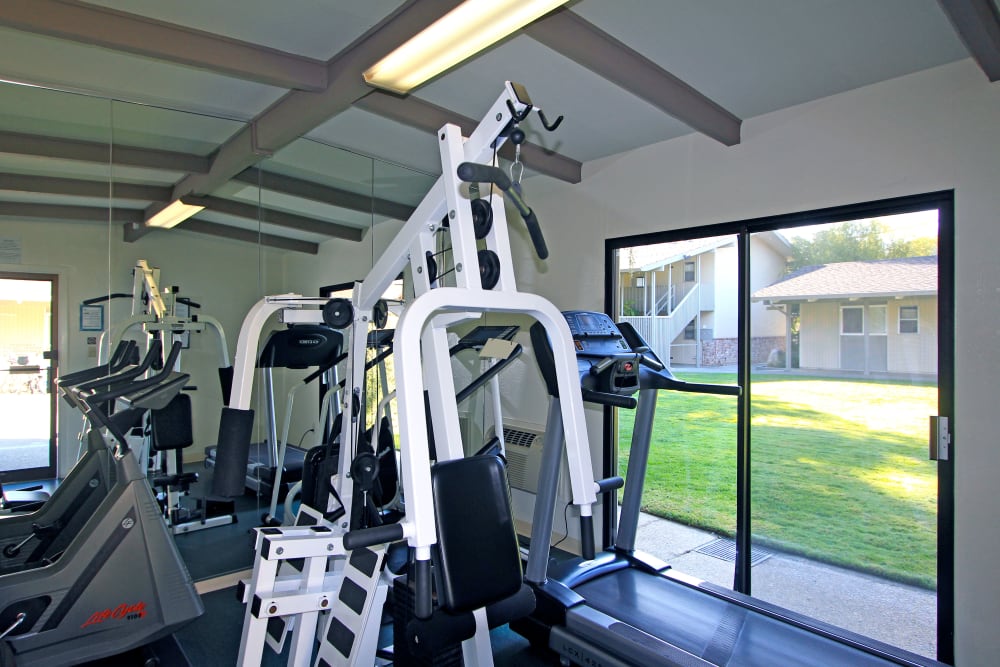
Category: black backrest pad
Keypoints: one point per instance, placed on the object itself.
(301, 346)
(171, 425)
(477, 555)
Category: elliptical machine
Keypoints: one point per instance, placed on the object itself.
(120, 582)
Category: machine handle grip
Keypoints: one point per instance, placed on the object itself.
(614, 400)
(188, 302)
(473, 172)
(587, 537)
(609, 484)
(106, 297)
(698, 388)
(366, 537)
(650, 361)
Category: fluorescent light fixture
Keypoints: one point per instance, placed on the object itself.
(173, 214)
(456, 36)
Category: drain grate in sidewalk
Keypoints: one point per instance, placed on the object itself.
(725, 549)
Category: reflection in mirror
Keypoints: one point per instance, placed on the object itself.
(80, 174)
(56, 210)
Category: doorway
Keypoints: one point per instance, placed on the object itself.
(28, 361)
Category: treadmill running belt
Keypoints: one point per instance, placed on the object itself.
(706, 626)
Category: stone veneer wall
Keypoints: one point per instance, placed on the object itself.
(723, 351)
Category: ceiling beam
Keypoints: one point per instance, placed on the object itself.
(977, 23)
(274, 217)
(142, 36)
(298, 112)
(100, 152)
(568, 33)
(249, 236)
(83, 188)
(325, 194)
(66, 212)
(428, 117)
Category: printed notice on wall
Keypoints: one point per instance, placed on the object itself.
(10, 251)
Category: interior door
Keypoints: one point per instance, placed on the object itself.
(27, 367)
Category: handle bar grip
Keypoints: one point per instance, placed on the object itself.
(651, 362)
(697, 388)
(366, 537)
(609, 484)
(614, 400)
(473, 172)
(587, 537)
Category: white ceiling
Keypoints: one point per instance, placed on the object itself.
(749, 57)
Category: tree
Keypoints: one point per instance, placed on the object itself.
(854, 242)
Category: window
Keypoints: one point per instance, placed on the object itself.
(877, 321)
(908, 318)
(689, 272)
(852, 320)
(689, 332)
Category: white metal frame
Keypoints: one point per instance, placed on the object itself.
(422, 362)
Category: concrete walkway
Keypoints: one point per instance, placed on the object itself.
(901, 615)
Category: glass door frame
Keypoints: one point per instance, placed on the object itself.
(943, 201)
(49, 472)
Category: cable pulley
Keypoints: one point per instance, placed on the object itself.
(338, 313)
(364, 470)
(489, 268)
(432, 267)
(482, 218)
(380, 313)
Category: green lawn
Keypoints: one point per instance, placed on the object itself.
(839, 469)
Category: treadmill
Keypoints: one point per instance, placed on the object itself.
(625, 607)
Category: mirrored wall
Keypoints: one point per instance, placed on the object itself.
(79, 173)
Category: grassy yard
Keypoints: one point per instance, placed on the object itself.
(839, 469)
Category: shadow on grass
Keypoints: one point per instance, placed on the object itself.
(822, 486)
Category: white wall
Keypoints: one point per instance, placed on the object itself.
(221, 275)
(933, 130)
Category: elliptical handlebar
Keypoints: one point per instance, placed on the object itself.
(152, 354)
(138, 385)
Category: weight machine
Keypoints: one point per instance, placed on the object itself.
(161, 314)
(461, 507)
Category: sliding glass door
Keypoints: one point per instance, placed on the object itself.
(814, 490)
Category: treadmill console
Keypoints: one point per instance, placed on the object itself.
(606, 362)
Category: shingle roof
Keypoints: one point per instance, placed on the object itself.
(910, 276)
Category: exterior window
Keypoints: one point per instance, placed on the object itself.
(689, 332)
(689, 272)
(852, 320)
(877, 321)
(908, 318)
